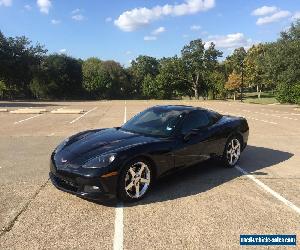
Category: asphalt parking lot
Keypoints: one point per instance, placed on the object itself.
(206, 207)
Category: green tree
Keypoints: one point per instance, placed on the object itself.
(285, 64)
(19, 60)
(199, 64)
(5, 57)
(217, 80)
(150, 88)
(235, 61)
(118, 85)
(139, 69)
(255, 69)
(214, 78)
(172, 78)
(59, 76)
(96, 80)
(193, 58)
(2, 89)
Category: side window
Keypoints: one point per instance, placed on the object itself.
(213, 116)
(195, 119)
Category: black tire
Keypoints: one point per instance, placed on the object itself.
(229, 160)
(130, 195)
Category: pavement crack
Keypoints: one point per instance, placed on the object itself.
(11, 224)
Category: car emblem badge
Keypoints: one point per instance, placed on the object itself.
(63, 160)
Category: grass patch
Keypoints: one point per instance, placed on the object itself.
(262, 100)
(265, 98)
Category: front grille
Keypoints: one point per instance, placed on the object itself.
(66, 166)
(68, 185)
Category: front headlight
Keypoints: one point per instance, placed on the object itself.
(100, 161)
(61, 145)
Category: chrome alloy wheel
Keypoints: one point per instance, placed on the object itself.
(233, 151)
(137, 180)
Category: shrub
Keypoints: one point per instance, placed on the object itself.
(2, 89)
(288, 93)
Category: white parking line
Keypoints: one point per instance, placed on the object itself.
(269, 190)
(248, 117)
(278, 116)
(271, 104)
(281, 112)
(78, 118)
(119, 224)
(255, 119)
(28, 119)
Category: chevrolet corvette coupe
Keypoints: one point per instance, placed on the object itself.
(124, 162)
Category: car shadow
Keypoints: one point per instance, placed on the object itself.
(208, 175)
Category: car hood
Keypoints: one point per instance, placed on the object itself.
(90, 144)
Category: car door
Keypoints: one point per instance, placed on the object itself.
(195, 139)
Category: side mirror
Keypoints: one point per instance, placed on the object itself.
(190, 134)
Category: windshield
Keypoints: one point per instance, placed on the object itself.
(155, 121)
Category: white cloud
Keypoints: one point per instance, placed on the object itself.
(62, 51)
(55, 21)
(150, 38)
(296, 15)
(108, 19)
(204, 33)
(27, 7)
(78, 17)
(133, 19)
(230, 41)
(264, 10)
(273, 18)
(44, 5)
(5, 3)
(158, 31)
(75, 11)
(195, 27)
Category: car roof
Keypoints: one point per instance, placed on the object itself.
(179, 107)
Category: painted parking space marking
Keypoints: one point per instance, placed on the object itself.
(119, 228)
(248, 117)
(27, 119)
(269, 190)
(119, 221)
(78, 118)
(265, 121)
(281, 112)
(273, 115)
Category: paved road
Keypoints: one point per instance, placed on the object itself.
(206, 207)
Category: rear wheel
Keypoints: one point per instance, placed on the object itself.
(232, 152)
(135, 181)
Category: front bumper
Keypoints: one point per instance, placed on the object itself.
(91, 187)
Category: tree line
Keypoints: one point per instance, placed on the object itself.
(27, 71)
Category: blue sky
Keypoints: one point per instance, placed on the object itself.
(122, 30)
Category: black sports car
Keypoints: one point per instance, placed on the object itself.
(123, 162)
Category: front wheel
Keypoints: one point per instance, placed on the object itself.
(135, 181)
(232, 152)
